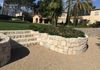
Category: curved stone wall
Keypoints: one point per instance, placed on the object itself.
(61, 44)
(53, 42)
(5, 49)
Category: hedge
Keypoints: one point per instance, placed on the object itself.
(60, 31)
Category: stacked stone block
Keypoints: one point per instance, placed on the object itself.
(53, 42)
(20, 37)
(61, 44)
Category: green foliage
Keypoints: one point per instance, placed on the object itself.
(50, 9)
(78, 8)
(83, 25)
(20, 2)
(60, 31)
(0, 7)
(52, 30)
(5, 17)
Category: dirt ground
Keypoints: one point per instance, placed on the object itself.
(41, 58)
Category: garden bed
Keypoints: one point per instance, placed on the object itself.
(60, 44)
(59, 31)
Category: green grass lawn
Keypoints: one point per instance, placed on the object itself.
(14, 26)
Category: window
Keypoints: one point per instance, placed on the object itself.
(96, 13)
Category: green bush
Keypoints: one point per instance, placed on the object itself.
(4, 17)
(60, 31)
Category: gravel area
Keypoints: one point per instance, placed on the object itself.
(41, 58)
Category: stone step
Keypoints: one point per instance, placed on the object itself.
(24, 39)
(16, 36)
(15, 31)
(23, 44)
(20, 37)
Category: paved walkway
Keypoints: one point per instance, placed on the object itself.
(92, 32)
(40, 58)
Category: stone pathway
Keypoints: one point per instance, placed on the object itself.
(92, 32)
(40, 58)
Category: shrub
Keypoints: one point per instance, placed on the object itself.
(26, 18)
(60, 31)
(5, 17)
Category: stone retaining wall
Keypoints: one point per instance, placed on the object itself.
(20, 37)
(61, 44)
(5, 49)
(55, 43)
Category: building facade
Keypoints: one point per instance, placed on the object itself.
(92, 18)
(62, 18)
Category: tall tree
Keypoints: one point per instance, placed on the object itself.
(51, 9)
(69, 4)
(77, 8)
(28, 4)
(0, 9)
(81, 7)
(55, 7)
(4, 8)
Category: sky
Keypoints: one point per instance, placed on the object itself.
(1, 2)
(95, 2)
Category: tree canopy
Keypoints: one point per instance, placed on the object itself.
(50, 8)
(77, 8)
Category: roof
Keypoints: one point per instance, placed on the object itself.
(37, 15)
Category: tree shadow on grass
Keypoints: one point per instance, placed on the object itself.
(18, 52)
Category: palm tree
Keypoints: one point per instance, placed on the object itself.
(4, 6)
(76, 8)
(69, 3)
(81, 7)
(55, 6)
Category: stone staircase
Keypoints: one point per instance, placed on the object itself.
(27, 38)
(20, 37)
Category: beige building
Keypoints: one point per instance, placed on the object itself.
(40, 19)
(62, 18)
(92, 18)
(19, 14)
(95, 16)
(36, 19)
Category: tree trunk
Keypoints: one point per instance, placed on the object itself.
(68, 13)
(76, 14)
